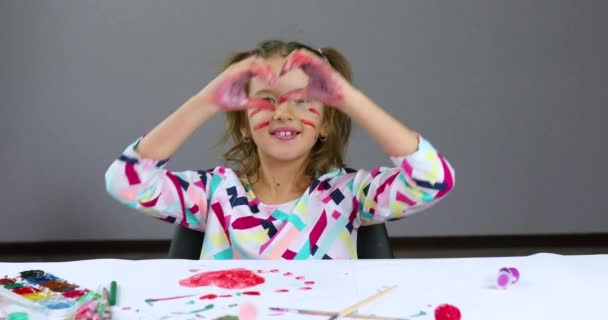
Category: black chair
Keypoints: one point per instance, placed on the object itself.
(372, 243)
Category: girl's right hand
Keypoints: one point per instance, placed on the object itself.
(228, 91)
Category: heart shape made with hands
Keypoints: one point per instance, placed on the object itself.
(324, 83)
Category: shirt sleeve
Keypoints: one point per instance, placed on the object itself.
(145, 185)
(416, 182)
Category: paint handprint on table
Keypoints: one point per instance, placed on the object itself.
(280, 282)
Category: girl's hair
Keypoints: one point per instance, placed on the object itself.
(325, 155)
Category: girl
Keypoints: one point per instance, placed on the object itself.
(288, 196)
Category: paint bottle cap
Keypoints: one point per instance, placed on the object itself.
(507, 277)
(515, 274)
(503, 280)
(447, 312)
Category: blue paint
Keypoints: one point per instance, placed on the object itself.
(419, 314)
(59, 305)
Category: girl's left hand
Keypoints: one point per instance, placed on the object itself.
(325, 84)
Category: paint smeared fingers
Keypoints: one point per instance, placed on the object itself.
(263, 71)
(297, 59)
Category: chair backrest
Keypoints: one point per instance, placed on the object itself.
(372, 243)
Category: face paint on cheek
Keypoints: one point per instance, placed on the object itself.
(261, 125)
(308, 123)
(256, 110)
(315, 111)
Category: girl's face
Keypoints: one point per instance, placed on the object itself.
(292, 129)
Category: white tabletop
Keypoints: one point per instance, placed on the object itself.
(551, 286)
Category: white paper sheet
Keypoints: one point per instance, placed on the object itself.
(550, 287)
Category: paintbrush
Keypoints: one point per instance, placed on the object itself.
(106, 311)
(361, 303)
(328, 313)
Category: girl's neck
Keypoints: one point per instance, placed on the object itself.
(280, 181)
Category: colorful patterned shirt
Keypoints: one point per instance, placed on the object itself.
(321, 224)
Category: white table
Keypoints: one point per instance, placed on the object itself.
(551, 286)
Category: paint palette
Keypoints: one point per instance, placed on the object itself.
(45, 293)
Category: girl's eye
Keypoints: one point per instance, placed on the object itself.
(270, 99)
(301, 101)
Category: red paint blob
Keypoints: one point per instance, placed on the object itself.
(251, 293)
(26, 290)
(274, 270)
(5, 280)
(126, 308)
(260, 271)
(306, 288)
(282, 290)
(75, 293)
(309, 283)
(226, 279)
(447, 312)
(288, 274)
(226, 296)
(208, 297)
(300, 278)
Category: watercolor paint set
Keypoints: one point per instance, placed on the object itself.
(45, 294)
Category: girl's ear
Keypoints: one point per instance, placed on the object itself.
(245, 133)
(245, 126)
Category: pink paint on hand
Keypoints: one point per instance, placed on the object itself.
(226, 279)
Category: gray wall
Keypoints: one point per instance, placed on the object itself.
(512, 92)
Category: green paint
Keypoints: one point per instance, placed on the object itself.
(232, 305)
(13, 286)
(227, 318)
(238, 294)
(17, 316)
(190, 302)
(206, 308)
(88, 296)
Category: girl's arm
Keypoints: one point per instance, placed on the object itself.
(138, 178)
